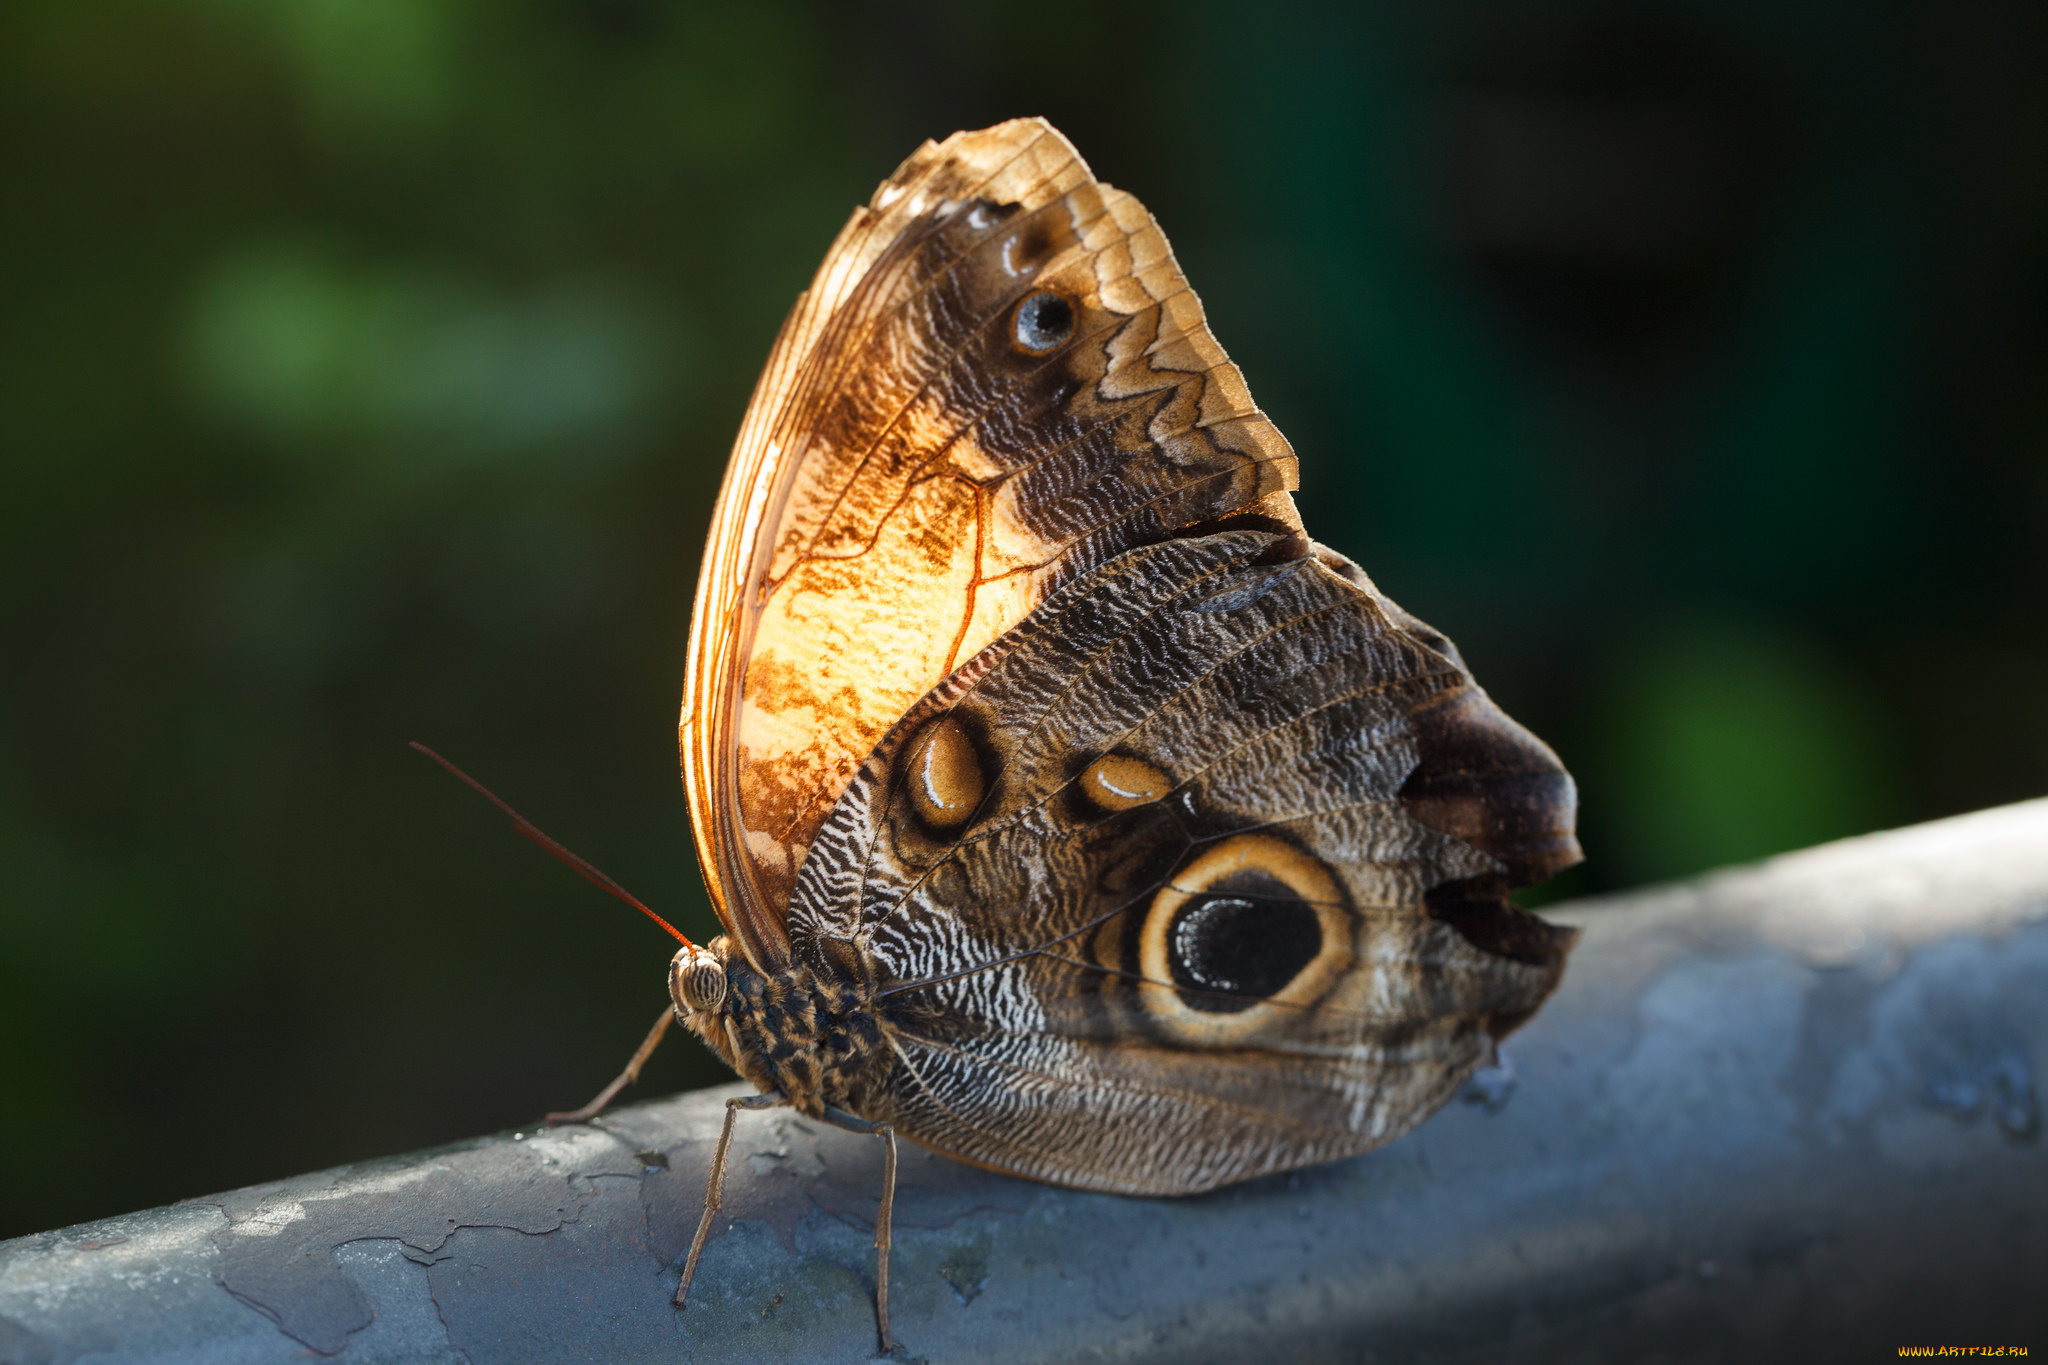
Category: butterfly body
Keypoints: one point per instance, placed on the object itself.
(814, 1038)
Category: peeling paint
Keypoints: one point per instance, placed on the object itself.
(1720, 1136)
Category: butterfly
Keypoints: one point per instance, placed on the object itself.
(1067, 809)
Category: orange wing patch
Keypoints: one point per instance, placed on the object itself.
(998, 380)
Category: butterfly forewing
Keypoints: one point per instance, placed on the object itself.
(998, 381)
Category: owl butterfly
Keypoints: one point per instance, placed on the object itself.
(1067, 809)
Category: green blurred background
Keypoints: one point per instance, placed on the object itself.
(367, 368)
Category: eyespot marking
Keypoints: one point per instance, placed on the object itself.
(1044, 321)
(1119, 782)
(946, 782)
(1026, 250)
(1242, 938)
(1229, 952)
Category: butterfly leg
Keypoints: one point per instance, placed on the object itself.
(626, 1077)
(714, 1188)
(839, 1118)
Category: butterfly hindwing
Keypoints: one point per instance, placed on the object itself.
(1145, 890)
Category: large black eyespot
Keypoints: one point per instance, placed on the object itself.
(1044, 321)
(1228, 952)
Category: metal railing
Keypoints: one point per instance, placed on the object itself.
(1785, 1112)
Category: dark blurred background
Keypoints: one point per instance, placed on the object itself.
(367, 368)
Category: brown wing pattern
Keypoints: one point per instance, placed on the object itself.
(1199, 873)
(998, 381)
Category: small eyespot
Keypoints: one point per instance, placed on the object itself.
(946, 782)
(1120, 782)
(1032, 246)
(696, 980)
(1044, 321)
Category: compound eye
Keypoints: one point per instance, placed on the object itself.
(696, 981)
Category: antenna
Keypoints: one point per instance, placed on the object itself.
(533, 832)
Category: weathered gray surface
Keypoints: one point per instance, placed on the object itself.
(1785, 1112)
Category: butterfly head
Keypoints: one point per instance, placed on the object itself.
(696, 980)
